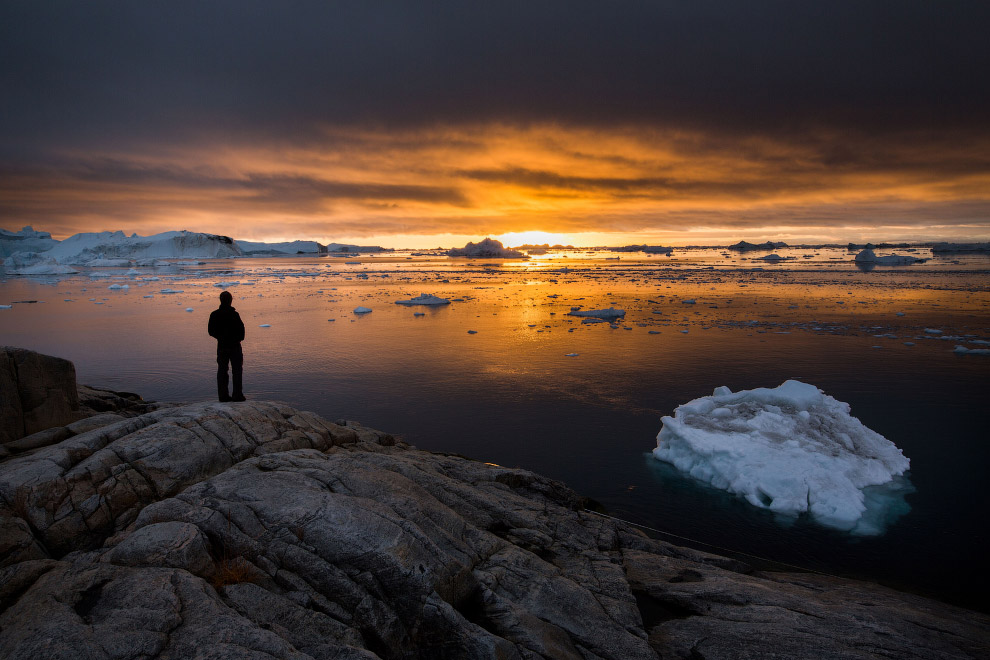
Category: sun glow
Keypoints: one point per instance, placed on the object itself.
(513, 238)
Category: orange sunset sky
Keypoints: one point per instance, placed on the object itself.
(581, 123)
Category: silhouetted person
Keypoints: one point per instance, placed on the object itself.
(227, 328)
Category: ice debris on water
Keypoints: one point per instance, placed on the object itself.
(790, 449)
(265, 325)
(362, 310)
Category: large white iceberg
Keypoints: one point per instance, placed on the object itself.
(82, 249)
(790, 449)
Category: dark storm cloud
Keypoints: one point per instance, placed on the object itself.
(115, 72)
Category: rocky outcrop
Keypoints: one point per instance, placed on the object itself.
(36, 392)
(254, 530)
(41, 404)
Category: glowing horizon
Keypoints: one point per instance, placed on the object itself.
(423, 188)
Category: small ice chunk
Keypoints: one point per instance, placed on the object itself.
(610, 313)
(571, 355)
(424, 299)
(119, 287)
(789, 449)
(472, 332)
(971, 351)
(265, 325)
(5, 306)
(689, 301)
(189, 309)
(933, 331)
(362, 310)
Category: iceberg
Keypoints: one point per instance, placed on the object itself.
(106, 246)
(25, 240)
(791, 449)
(868, 256)
(291, 247)
(424, 299)
(486, 248)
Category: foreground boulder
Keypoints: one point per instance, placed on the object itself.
(253, 530)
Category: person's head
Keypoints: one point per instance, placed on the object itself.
(226, 299)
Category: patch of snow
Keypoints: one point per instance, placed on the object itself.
(789, 449)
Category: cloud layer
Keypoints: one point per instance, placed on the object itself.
(357, 119)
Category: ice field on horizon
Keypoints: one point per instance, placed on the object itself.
(791, 449)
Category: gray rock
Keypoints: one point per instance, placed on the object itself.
(168, 544)
(254, 530)
(36, 392)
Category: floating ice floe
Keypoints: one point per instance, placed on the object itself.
(5, 306)
(119, 287)
(868, 256)
(189, 309)
(971, 351)
(170, 291)
(790, 449)
(424, 299)
(362, 310)
(48, 267)
(265, 325)
(610, 313)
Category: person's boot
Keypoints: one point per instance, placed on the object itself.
(238, 397)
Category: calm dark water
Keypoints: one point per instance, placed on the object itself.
(510, 395)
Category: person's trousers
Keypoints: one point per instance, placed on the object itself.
(233, 356)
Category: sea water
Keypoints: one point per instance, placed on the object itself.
(504, 374)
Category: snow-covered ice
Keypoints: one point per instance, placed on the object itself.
(424, 299)
(789, 449)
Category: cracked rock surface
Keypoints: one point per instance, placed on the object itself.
(254, 530)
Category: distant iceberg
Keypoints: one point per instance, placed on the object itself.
(291, 247)
(487, 248)
(25, 240)
(115, 248)
(868, 256)
(791, 449)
